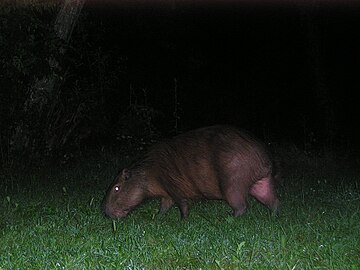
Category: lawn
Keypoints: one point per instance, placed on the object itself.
(50, 219)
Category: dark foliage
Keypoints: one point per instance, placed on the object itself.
(127, 75)
(81, 111)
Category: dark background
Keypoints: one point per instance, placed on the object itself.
(286, 71)
(251, 65)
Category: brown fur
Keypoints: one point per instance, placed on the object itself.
(218, 162)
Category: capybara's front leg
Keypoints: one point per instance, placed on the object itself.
(166, 204)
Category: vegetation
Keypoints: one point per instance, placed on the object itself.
(51, 219)
(58, 98)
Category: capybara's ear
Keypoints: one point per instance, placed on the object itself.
(125, 174)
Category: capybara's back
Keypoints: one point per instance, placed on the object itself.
(219, 162)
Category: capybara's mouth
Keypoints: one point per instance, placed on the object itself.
(111, 213)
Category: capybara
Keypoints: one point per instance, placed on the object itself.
(218, 162)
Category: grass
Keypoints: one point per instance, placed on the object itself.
(50, 219)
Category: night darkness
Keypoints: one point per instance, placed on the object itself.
(286, 71)
(266, 68)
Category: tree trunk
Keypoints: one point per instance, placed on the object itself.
(67, 18)
(64, 25)
(43, 96)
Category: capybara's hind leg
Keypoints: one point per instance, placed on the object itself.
(237, 201)
(263, 191)
(184, 208)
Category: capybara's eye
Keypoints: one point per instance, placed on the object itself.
(116, 188)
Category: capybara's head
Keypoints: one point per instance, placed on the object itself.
(123, 195)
